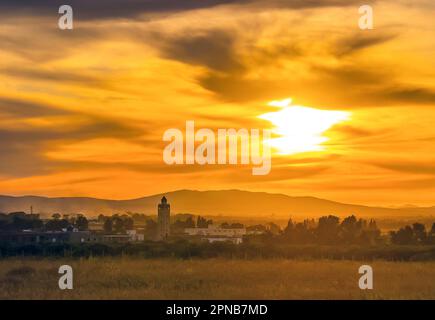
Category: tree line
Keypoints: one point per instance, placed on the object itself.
(184, 249)
(413, 235)
(327, 230)
(19, 221)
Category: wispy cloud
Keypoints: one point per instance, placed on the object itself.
(133, 8)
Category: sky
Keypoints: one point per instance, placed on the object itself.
(83, 111)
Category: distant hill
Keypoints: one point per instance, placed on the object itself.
(225, 202)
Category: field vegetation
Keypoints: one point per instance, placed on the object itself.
(135, 278)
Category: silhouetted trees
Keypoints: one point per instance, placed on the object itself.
(57, 225)
(236, 225)
(182, 223)
(151, 229)
(81, 223)
(300, 232)
(67, 223)
(138, 218)
(203, 222)
(256, 229)
(18, 221)
(118, 224)
(108, 225)
(412, 235)
(329, 231)
(273, 228)
(432, 234)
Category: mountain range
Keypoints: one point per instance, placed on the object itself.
(232, 203)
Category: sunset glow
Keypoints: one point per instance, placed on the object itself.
(83, 111)
(300, 129)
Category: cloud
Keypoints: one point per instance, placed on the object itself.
(20, 108)
(354, 132)
(88, 10)
(277, 173)
(412, 167)
(230, 55)
(35, 40)
(359, 41)
(418, 95)
(214, 49)
(50, 75)
(236, 88)
(23, 147)
(112, 8)
(372, 85)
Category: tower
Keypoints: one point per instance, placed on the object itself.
(163, 222)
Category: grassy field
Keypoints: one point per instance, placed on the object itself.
(129, 278)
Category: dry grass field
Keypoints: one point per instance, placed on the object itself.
(129, 278)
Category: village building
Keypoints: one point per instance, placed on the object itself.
(215, 233)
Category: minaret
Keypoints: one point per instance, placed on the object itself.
(163, 222)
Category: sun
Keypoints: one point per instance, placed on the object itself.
(301, 129)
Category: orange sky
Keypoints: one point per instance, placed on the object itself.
(83, 112)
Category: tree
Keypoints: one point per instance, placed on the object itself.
(101, 218)
(180, 224)
(290, 226)
(273, 228)
(189, 223)
(57, 224)
(18, 221)
(415, 234)
(128, 223)
(225, 225)
(108, 225)
(203, 222)
(118, 224)
(56, 216)
(302, 233)
(431, 237)
(371, 234)
(327, 229)
(350, 229)
(82, 223)
(151, 228)
(419, 230)
(288, 232)
(258, 228)
(403, 236)
(138, 218)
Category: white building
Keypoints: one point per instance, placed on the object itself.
(217, 234)
(235, 240)
(134, 236)
(213, 230)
